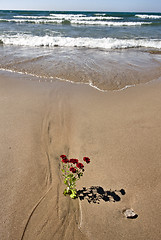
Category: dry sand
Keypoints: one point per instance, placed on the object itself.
(119, 131)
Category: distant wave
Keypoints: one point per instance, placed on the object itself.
(76, 22)
(36, 21)
(100, 14)
(82, 17)
(102, 43)
(148, 16)
(67, 15)
(70, 17)
(33, 17)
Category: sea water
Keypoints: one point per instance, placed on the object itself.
(109, 50)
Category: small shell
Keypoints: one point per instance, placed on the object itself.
(129, 213)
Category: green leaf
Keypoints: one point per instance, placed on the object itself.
(65, 192)
(74, 193)
(65, 181)
(70, 175)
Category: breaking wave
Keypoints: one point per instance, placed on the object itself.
(75, 22)
(148, 16)
(58, 41)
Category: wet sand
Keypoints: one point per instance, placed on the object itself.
(107, 70)
(119, 131)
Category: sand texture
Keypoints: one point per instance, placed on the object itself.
(119, 131)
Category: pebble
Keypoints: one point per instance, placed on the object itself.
(129, 213)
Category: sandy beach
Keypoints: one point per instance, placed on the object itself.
(120, 131)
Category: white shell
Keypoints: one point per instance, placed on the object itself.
(129, 213)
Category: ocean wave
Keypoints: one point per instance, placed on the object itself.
(148, 16)
(36, 21)
(101, 43)
(100, 14)
(83, 17)
(76, 22)
(67, 15)
(33, 17)
(52, 16)
(110, 23)
(70, 17)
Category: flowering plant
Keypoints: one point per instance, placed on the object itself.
(72, 171)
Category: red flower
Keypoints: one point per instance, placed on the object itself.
(86, 159)
(65, 160)
(73, 170)
(74, 161)
(80, 165)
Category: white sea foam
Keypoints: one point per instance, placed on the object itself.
(33, 17)
(100, 43)
(36, 21)
(82, 17)
(106, 23)
(76, 22)
(100, 14)
(69, 17)
(76, 16)
(64, 15)
(147, 16)
(65, 80)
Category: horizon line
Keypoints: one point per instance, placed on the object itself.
(77, 11)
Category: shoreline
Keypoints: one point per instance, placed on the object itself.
(105, 70)
(51, 79)
(119, 131)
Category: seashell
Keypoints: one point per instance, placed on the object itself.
(129, 213)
